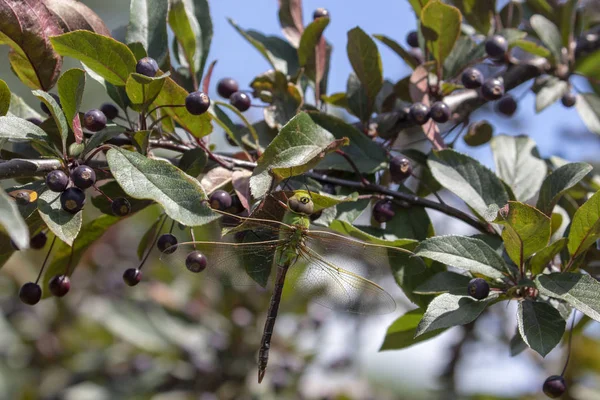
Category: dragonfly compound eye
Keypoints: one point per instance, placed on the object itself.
(301, 205)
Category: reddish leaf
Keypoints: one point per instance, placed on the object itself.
(290, 18)
(241, 185)
(320, 65)
(77, 131)
(207, 76)
(73, 15)
(26, 25)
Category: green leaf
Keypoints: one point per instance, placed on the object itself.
(366, 63)
(548, 34)
(464, 176)
(114, 191)
(585, 227)
(110, 59)
(298, 147)
(202, 14)
(19, 108)
(478, 13)
(548, 90)
(448, 310)
(401, 334)
(309, 40)
(347, 229)
(558, 182)
(418, 5)
(587, 65)
(70, 92)
(519, 165)
(580, 291)
(588, 107)
(284, 96)
(541, 7)
(193, 161)
(479, 133)
(465, 51)
(186, 29)
(57, 115)
(109, 132)
(357, 100)
(444, 282)
(181, 196)
(541, 326)
(568, 11)
(540, 260)
(466, 253)
(4, 98)
(143, 90)
(532, 48)
(148, 26)
(440, 25)
(63, 224)
(398, 49)
(12, 221)
(18, 129)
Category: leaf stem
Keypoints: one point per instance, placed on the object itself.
(45, 260)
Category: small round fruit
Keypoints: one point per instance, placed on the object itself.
(94, 120)
(147, 66)
(132, 276)
(38, 241)
(440, 112)
(167, 243)
(236, 205)
(554, 386)
(195, 261)
(197, 103)
(472, 78)
(569, 100)
(220, 200)
(507, 105)
(45, 108)
(492, 89)
(226, 87)
(419, 113)
(400, 169)
(83, 177)
(321, 13)
(478, 288)
(30, 293)
(110, 110)
(120, 207)
(412, 39)
(72, 200)
(496, 47)
(383, 211)
(240, 100)
(59, 285)
(57, 180)
(35, 121)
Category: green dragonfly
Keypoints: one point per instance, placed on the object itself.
(310, 259)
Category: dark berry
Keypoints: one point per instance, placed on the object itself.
(94, 120)
(30, 293)
(569, 100)
(236, 205)
(110, 110)
(35, 121)
(59, 285)
(400, 169)
(496, 47)
(132, 276)
(412, 39)
(478, 288)
(492, 89)
(57, 180)
(320, 13)
(220, 200)
(383, 211)
(72, 200)
(147, 66)
(472, 78)
(507, 105)
(121, 207)
(419, 113)
(38, 241)
(226, 87)
(554, 386)
(195, 261)
(165, 241)
(197, 103)
(83, 177)
(240, 100)
(440, 112)
(45, 108)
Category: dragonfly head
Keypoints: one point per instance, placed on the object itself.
(301, 204)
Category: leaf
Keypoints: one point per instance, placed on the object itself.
(475, 184)
(143, 90)
(18, 129)
(588, 107)
(401, 333)
(181, 196)
(26, 26)
(110, 59)
(19, 108)
(542, 258)
(585, 227)
(558, 182)
(398, 49)
(57, 115)
(548, 34)
(298, 147)
(587, 65)
(519, 164)
(4, 98)
(465, 51)
(366, 63)
(440, 25)
(70, 92)
(578, 290)
(114, 191)
(532, 48)
(63, 224)
(12, 221)
(193, 161)
(548, 90)
(284, 96)
(290, 19)
(479, 133)
(201, 13)
(478, 13)
(444, 282)
(148, 26)
(541, 326)
(186, 29)
(310, 38)
(448, 310)
(73, 15)
(418, 5)
(357, 100)
(466, 253)
(109, 132)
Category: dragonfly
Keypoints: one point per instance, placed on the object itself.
(311, 259)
